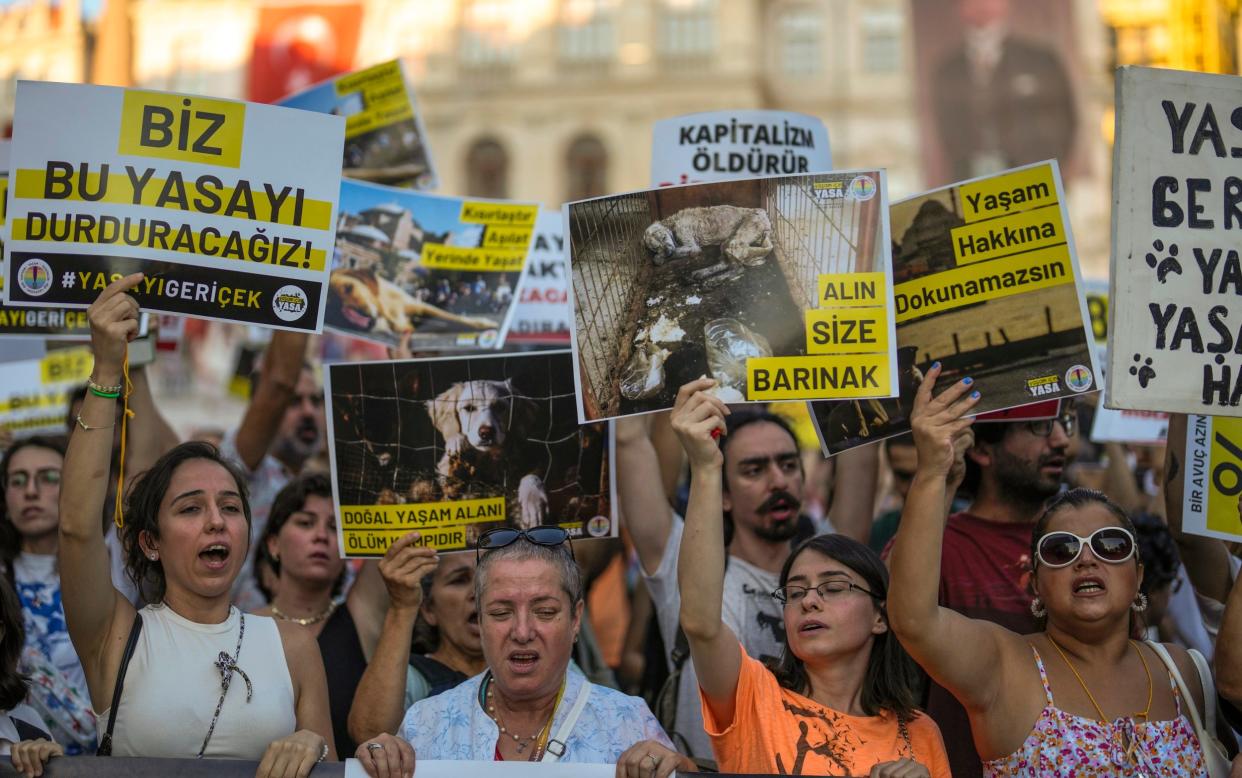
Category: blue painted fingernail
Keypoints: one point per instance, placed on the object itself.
(935, 365)
(968, 380)
(974, 395)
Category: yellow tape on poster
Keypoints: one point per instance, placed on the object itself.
(66, 365)
(507, 238)
(1224, 483)
(370, 529)
(189, 129)
(1009, 235)
(845, 376)
(473, 212)
(376, 542)
(843, 290)
(4, 199)
(460, 258)
(384, 98)
(1003, 195)
(847, 331)
(983, 281)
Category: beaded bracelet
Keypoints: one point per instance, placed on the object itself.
(111, 392)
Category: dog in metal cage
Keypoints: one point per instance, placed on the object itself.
(744, 236)
(486, 425)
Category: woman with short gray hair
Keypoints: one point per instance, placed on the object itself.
(528, 705)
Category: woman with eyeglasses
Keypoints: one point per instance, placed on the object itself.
(1081, 698)
(528, 705)
(188, 675)
(841, 699)
(29, 525)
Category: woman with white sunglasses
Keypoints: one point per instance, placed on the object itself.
(1081, 698)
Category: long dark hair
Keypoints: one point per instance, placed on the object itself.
(10, 539)
(142, 510)
(13, 685)
(892, 679)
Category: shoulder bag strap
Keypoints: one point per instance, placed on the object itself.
(556, 746)
(105, 743)
(1187, 698)
(1209, 689)
(1214, 758)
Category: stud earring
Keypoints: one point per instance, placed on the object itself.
(1140, 603)
(1037, 609)
(153, 557)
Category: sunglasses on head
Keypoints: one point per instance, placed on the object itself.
(507, 536)
(1109, 544)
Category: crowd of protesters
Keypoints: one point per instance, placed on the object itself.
(974, 599)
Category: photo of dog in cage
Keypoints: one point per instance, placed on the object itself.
(469, 443)
(680, 282)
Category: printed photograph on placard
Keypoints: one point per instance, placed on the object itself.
(986, 282)
(457, 446)
(778, 288)
(385, 141)
(439, 271)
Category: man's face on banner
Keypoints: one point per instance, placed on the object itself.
(983, 13)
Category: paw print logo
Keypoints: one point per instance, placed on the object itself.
(1143, 371)
(1168, 265)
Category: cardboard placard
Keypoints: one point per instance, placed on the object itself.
(780, 288)
(439, 269)
(727, 145)
(1176, 271)
(229, 208)
(987, 283)
(35, 395)
(385, 141)
(454, 447)
(542, 313)
(1213, 477)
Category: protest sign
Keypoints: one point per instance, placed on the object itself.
(726, 145)
(542, 313)
(1213, 477)
(35, 395)
(1175, 318)
(777, 287)
(456, 446)
(986, 283)
(18, 321)
(1110, 425)
(385, 141)
(440, 270)
(1044, 409)
(229, 208)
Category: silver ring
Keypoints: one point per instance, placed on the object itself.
(373, 747)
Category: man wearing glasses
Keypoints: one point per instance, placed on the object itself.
(1011, 471)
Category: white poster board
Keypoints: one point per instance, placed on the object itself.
(723, 145)
(1176, 274)
(229, 208)
(542, 312)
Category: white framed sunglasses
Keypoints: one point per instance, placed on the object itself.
(1113, 545)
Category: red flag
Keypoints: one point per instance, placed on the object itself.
(298, 45)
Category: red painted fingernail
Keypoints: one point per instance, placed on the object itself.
(716, 433)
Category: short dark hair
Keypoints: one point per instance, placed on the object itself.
(13, 684)
(142, 510)
(991, 432)
(10, 539)
(892, 678)
(287, 502)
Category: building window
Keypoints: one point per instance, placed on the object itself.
(487, 169)
(586, 32)
(687, 29)
(485, 43)
(802, 34)
(586, 166)
(882, 40)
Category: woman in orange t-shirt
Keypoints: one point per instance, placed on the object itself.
(841, 700)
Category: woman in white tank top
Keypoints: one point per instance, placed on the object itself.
(205, 680)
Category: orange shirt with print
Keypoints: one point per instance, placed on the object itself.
(775, 730)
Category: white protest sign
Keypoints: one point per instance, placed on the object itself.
(542, 313)
(1176, 275)
(445, 768)
(723, 145)
(1110, 425)
(36, 391)
(229, 208)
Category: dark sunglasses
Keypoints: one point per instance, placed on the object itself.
(1109, 544)
(44, 476)
(507, 536)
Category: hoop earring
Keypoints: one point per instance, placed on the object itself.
(1037, 609)
(1140, 603)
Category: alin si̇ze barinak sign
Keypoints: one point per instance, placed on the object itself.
(229, 208)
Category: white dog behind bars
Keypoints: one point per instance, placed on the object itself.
(485, 425)
(743, 234)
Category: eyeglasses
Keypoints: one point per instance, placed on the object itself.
(1109, 544)
(826, 590)
(44, 476)
(1043, 427)
(507, 536)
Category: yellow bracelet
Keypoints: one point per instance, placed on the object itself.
(86, 426)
